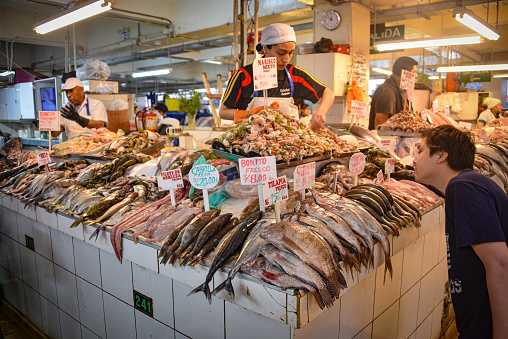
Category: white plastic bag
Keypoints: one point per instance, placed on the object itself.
(118, 105)
(93, 70)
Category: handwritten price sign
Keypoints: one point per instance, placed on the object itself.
(380, 179)
(204, 176)
(357, 163)
(170, 180)
(359, 109)
(407, 80)
(389, 166)
(275, 190)
(385, 145)
(49, 121)
(42, 158)
(304, 176)
(255, 171)
(265, 73)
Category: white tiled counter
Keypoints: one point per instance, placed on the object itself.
(73, 287)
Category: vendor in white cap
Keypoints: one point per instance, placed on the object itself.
(277, 40)
(80, 113)
(494, 108)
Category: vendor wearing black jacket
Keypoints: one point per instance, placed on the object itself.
(277, 40)
(388, 99)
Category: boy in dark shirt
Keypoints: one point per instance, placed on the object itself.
(476, 231)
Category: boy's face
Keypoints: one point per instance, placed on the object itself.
(425, 164)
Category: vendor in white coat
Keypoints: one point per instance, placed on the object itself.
(494, 108)
(81, 113)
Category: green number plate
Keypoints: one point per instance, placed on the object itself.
(29, 241)
(143, 303)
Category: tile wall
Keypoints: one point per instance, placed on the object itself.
(74, 287)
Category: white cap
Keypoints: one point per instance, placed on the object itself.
(491, 102)
(71, 83)
(277, 34)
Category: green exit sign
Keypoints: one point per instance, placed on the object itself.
(29, 242)
(478, 76)
(143, 303)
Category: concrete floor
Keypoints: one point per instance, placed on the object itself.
(13, 325)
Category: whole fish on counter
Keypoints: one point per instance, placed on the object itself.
(229, 246)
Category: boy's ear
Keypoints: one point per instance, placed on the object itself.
(443, 156)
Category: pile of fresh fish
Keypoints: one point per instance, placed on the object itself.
(404, 122)
(375, 160)
(13, 155)
(270, 132)
(336, 177)
(492, 159)
(439, 118)
(131, 144)
(109, 172)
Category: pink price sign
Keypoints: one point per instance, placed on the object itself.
(256, 171)
(304, 176)
(49, 120)
(359, 109)
(389, 166)
(42, 158)
(170, 180)
(357, 163)
(380, 179)
(275, 190)
(407, 80)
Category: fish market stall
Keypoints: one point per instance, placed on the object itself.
(97, 249)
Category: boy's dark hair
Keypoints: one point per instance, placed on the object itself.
(401, 63)
(459, 144)
(161, 107)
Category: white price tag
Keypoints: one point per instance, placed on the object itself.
(435, 106)
(49, 121)
(275, 190)
(304, 176)
(389, 166)
(42, 158)
(357, 163)
(293, 111)
(407, 80)
(465, 125)
(380, 178)
(359, 109)
(447, 111)
(255, 171)
(170, 180)
(424, 115)
(265, 73)
(385, 145)
(203, 176)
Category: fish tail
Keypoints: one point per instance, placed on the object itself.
(77, 222)
(350, 261)
(96, 233)
(228, 286)
(319, 298)
(203, 288)
(388, 266)
(331, 286)
(326, 297)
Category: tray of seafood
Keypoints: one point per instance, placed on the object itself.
(403, 124)
(272, 133)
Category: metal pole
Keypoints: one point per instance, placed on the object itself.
(74, 45)
(244, 33)
(235, 33)
(256, 9)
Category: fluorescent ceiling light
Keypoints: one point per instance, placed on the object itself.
(380, 70)
(213, 62)
(151, 73)
(6, 73)
(473, 21)
(435, 77)
(500, 76)
(77, 13)
(472, 68)
(428, 42)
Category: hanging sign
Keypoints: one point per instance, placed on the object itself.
(407, 80)
(304, 176)
(359, 109)
(265, 73)
(275, 191)
(255, 171)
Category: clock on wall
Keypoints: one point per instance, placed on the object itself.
(331, 20)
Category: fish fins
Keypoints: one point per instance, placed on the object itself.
(291, 244)
(388, 267)
(228, 286)
(203, 288)
(319, 299)
(77, 222)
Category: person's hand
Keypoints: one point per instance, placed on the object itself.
(70, 113)
(317, 121)
(241, 115)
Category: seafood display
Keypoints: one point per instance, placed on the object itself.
(271, 133)
(131, 144)
(492, 160)
(404, 122)
(84, 144)
(375, 161)
(416, 194)
(12, 155)
(439, 118)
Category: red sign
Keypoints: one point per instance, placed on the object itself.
(389, 166)
(304, 176)
(407, 80)
(42, 158)
(49, 121)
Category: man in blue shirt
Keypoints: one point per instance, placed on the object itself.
(476, 231)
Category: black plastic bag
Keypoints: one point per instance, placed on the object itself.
(323, 45)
